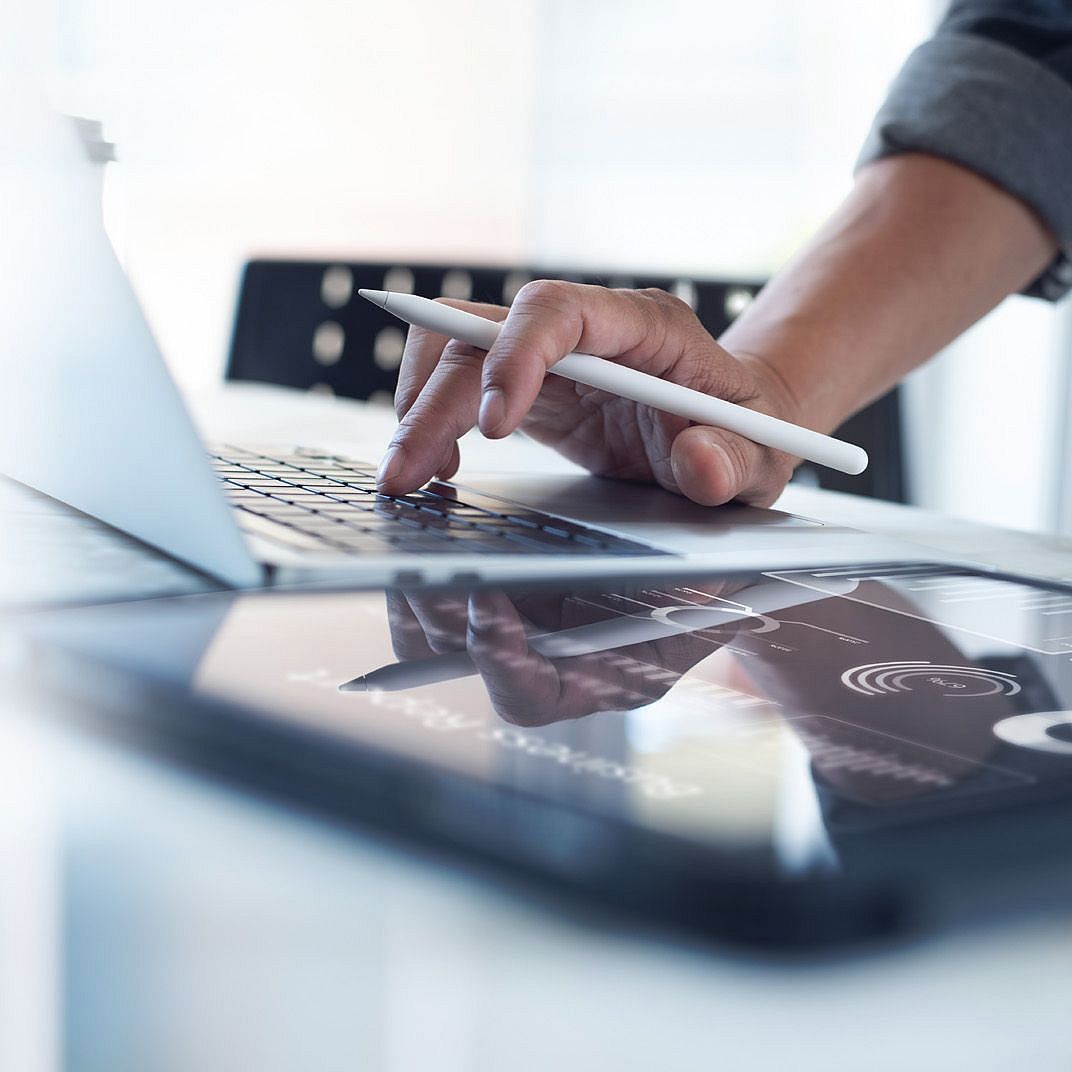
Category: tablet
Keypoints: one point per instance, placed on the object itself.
(796, 756)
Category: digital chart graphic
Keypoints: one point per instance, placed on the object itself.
(1004, 609)
(883, 679)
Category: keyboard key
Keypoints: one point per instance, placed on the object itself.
(368, 545)
(280, 509)
(455, 510)
(264, 485)
(304, 498)
(343, 510)
(339, 474)
(387, 508)
(274, 530)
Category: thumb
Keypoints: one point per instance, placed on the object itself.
(712, 466)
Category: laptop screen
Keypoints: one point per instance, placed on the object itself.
(93, 418)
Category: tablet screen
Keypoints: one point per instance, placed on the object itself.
(783, 710)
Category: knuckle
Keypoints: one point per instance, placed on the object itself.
(670, 304)
(656, 294)
(715, 371)
(543, 289)
(459, 356)
(706, 373)
(658, 324)
(547, 293)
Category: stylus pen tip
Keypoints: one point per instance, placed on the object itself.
(377, 297)
(357, 685)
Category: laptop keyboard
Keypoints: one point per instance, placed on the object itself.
(330, 502)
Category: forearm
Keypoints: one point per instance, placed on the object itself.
(919, 251)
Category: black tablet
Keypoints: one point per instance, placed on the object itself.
(797, 756)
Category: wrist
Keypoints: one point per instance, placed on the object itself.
(792, 386)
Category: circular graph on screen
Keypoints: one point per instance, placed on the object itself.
(885, 679)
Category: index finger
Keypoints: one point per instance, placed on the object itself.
(423, 350)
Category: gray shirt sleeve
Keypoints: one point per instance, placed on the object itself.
(996, 108)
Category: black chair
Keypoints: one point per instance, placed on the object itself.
(301, 324)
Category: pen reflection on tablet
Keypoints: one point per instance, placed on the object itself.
(544, 657)
(528, 688)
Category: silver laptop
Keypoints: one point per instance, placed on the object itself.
(90, 416)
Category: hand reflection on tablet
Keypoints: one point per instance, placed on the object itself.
(544, 658)
(500, 638)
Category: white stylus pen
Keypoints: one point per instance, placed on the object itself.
(638, 386)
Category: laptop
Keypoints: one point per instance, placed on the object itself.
(91, 417)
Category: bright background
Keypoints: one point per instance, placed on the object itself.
(702, 136)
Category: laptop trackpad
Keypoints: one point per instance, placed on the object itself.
(639, 510)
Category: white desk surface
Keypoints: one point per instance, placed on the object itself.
(151, 919)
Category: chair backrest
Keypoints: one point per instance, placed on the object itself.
(301, 324)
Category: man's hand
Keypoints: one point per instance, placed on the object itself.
(920, 250)
(446, 387)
